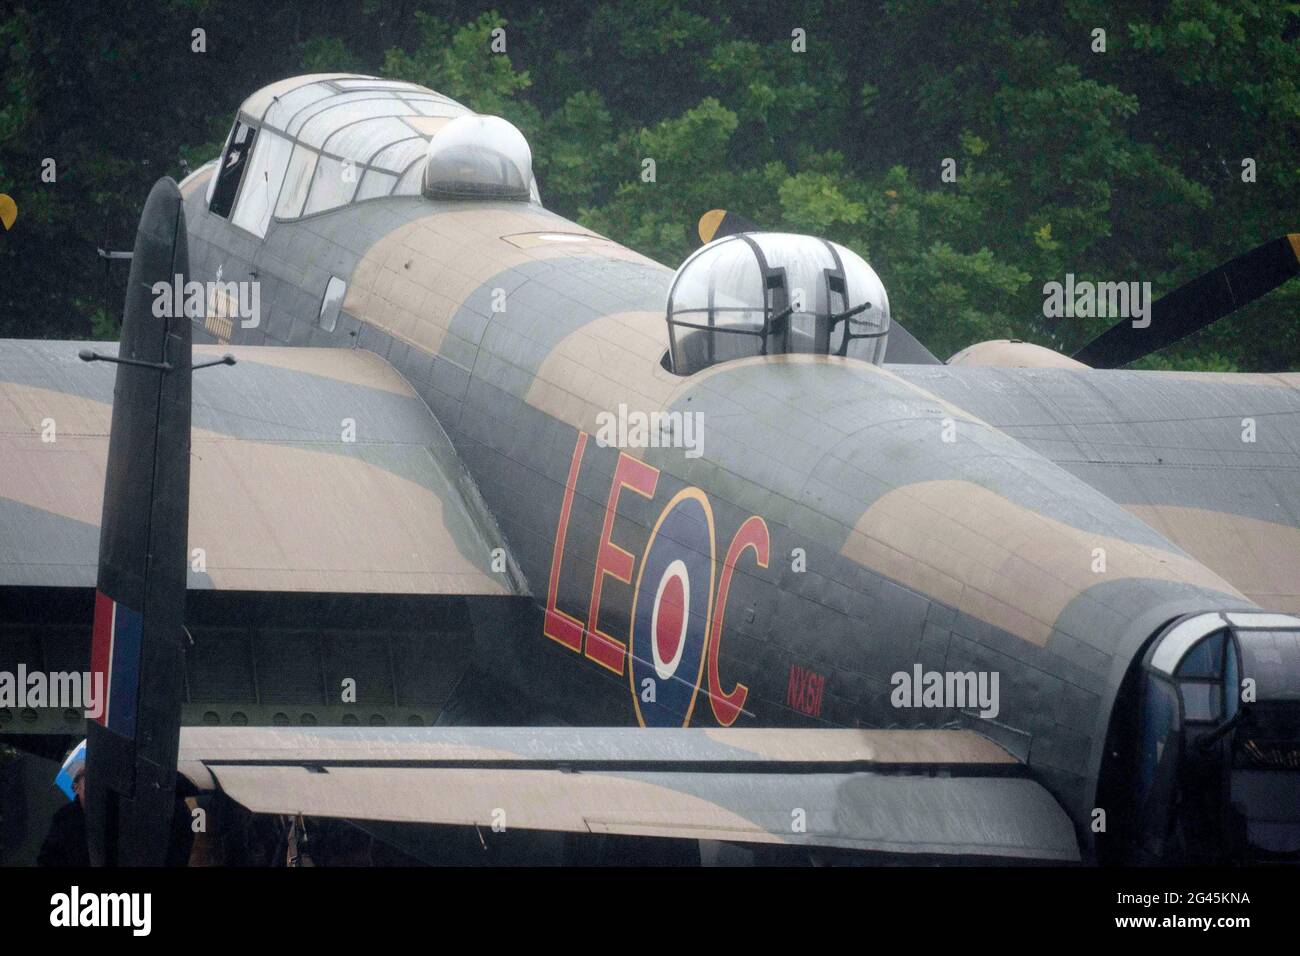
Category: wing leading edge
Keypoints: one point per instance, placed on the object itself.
(945, 792)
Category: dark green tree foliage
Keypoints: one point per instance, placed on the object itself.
(1125, 164)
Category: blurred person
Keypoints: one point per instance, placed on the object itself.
(65, 844)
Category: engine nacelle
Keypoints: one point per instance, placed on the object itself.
(1012, 353)
(1203, 753)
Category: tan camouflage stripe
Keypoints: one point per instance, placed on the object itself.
(612, 359)
(362, 368)
(616, 359)
(412, 282)
(998, 561)
(1261, 557)
(269, 516)
(64, 477)
(294, 519)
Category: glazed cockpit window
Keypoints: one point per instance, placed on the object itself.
(234, 161)
(336, 139)
(262, 182)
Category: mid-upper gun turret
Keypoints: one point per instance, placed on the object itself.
(765, 293)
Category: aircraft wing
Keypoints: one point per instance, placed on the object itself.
(1210, 460)
(934, 792)
(312, 470)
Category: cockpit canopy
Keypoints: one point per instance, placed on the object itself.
(770, 293)
(311, 144)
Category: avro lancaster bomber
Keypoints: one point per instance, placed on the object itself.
(493, 520)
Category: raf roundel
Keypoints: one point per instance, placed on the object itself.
(670, 612)
(668, 620)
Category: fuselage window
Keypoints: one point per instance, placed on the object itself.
(331, 303)
(232, 169)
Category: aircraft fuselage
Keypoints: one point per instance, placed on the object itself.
(827, 535)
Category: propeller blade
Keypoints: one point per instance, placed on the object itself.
(717, 223)
(1197, 304)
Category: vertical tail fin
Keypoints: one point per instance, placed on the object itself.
(140, 599)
